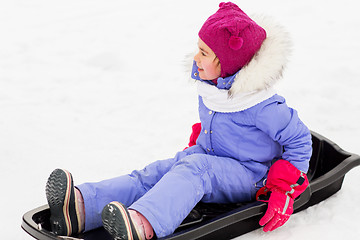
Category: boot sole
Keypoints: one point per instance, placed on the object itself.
(116, 220)
(59, 193)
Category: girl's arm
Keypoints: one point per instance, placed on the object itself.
(196, 128)
(286, 179)
(283, 125)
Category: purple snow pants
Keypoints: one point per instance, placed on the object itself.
(166, 191)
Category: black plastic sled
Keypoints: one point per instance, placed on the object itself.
(328, 166)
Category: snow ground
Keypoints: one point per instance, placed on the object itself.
(78, 80)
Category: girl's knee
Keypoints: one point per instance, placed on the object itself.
(194, 162)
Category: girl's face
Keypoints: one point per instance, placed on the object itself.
(208, 64)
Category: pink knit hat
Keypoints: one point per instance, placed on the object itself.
(233, 37)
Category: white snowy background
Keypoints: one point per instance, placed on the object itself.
(100, 88)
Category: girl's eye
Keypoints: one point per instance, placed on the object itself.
(202, 53)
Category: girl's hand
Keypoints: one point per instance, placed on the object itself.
(284, 183)
(280, 207)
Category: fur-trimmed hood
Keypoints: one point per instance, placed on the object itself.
(267, 65)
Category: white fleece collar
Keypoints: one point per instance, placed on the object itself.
(219, 100)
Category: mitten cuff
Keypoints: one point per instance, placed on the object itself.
(284, 178)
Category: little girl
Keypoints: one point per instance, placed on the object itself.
(247, 136)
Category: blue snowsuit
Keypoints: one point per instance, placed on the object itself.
(228, 164)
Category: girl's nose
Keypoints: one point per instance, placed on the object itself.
(196, 57)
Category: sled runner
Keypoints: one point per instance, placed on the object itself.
(328, 166)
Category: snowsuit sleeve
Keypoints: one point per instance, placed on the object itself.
(283, 125)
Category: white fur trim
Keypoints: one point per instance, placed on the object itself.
(267, 65)
(219, 100)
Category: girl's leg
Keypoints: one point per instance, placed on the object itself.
(194, 178)
(125, 189)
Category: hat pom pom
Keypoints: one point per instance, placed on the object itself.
(236, 43)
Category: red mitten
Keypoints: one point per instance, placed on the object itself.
(284, 183)
(196, 129)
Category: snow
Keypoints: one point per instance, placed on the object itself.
(100, 88)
